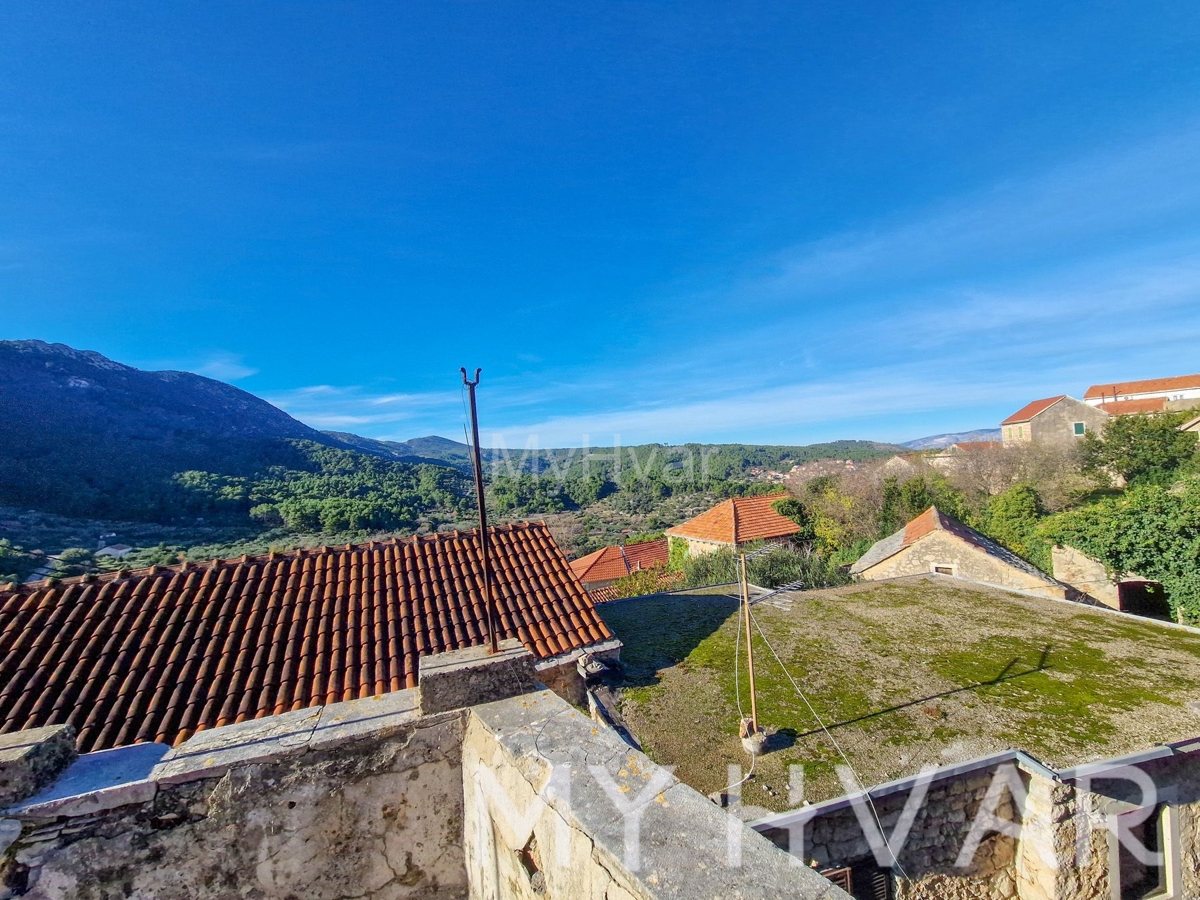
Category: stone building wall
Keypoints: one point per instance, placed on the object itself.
(1089, 575)
(965, 560)
(545, 790)
(303, 816)
(1055, 427)
(935, 840)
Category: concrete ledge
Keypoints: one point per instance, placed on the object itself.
(210, 754)
(32, 759)
(685, 839)
(461, 678)
(375, 717)
(96, 782)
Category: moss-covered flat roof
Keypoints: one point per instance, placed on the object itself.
(906, 674)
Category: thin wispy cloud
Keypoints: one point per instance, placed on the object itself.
(339, 408)
(1094, 198)
(224, 367)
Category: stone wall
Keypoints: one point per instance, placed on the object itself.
(937, 836)
(965, 560)
(1083, 572)
(545, 787)
(1055, 427)
(353, 800)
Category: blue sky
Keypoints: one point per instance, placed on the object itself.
(664, 221)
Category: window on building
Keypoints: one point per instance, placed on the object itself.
(944, 570)
(1137, 878)
(1080, 428)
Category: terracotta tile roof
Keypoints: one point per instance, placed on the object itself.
(609, 563)
(1027, 412)
(664, 581)
(1133, 407)
(1148, 386)
(158, 654)
(933, 519)
(738, 521)
(972, 446)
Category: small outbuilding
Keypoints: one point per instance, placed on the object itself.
(734, 523)
(935, 543)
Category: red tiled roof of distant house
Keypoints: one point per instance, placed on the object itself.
(161, 653)
(973, 446)
(738, 521)
(1147, 386)
(1027, 412)
(609, 563)
(1134, 407)
(664, 581)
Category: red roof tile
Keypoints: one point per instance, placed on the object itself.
(609, 563)
(1134, 407)
(738, 521)
(1148, 386)
(1027, 412)
(158, 654)
(973, 446)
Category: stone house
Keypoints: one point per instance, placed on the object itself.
(938, 544)
(735, 523)
(601, 568)
(1128, 592)
(1056, 421)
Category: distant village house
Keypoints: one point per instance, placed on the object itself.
(735, 523)
(1150, 395)
(1056, 421)
(938, 544)
(607, 565)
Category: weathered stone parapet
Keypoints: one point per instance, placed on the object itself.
(461, 678)
(374, 813)
(548, 793)
(29, 760)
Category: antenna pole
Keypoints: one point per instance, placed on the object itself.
(749, 645)
(484, 541)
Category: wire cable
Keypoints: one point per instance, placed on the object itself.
(842, 753)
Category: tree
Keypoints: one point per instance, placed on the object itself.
(1142, 449)
(1012, 519)
(1150, 530)
(791, 508)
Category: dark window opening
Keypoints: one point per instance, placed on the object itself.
(863, 879)
(1143, 598)
(944, 570)
(1140, 880)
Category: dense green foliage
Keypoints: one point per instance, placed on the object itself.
(1144, 449)
(781, 564)
(1012, 519)
(330, 489)
(1150, 530)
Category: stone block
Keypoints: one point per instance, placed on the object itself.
(469, 677)
(31, 759)
(10, 830)
(96, 782)
(210, 754)
(377, 717)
